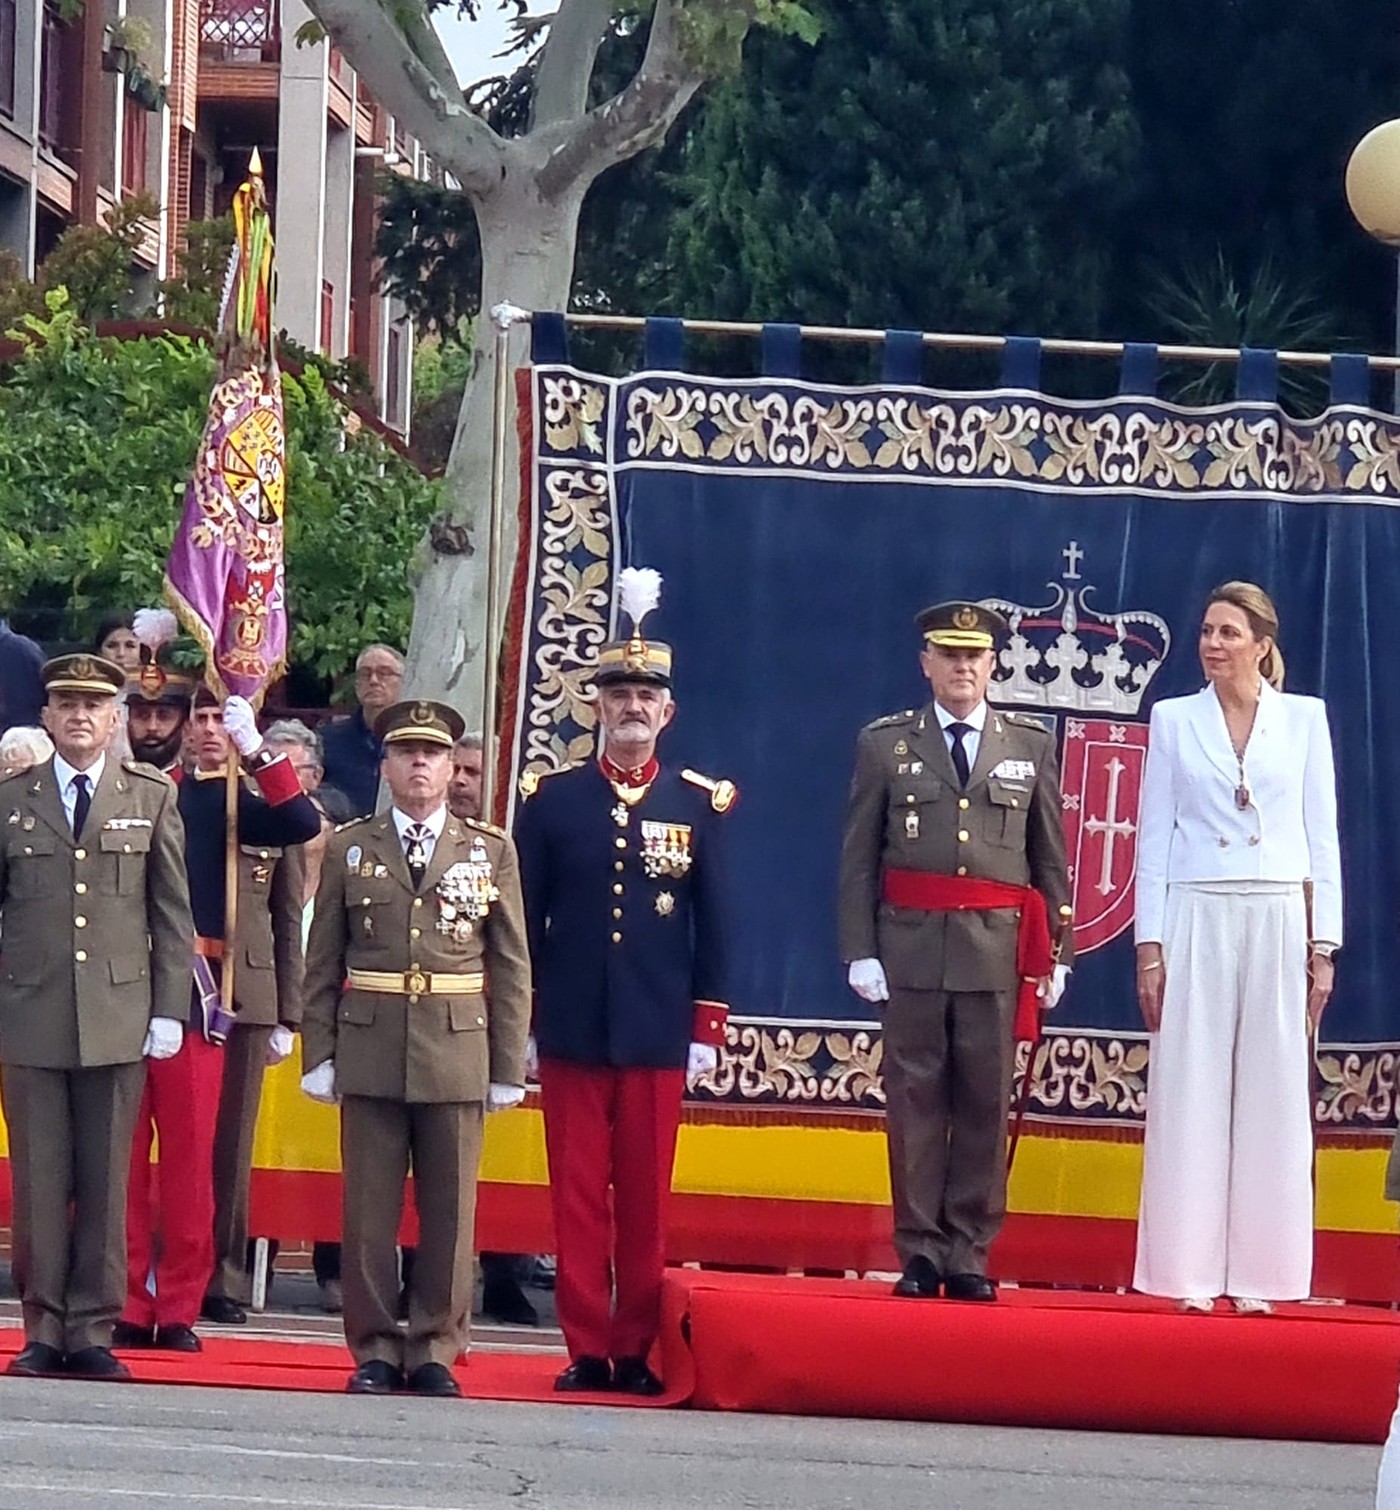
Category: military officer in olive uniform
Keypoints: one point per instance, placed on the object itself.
(421, 914)
(95, 975)
(952, 867)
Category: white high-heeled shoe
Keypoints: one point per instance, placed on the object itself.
(1247, 1305)
(1202, 1303)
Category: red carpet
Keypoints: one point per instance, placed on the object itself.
(1037, 1358)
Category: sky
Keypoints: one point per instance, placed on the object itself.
(472, 44)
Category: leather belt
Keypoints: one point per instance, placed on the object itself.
(208, 948)
(417, 982)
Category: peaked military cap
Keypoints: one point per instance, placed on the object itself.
(961, 626)
(82, 673)
(419, 718)
(635, 659)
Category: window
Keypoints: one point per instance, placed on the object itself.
(393, 386)
(134, 121)
(50, 70)
(327, 316)
(7, 57)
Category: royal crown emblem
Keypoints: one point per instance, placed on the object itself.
(1066, 656)
(421, 713)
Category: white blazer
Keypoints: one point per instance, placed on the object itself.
(1189, 828)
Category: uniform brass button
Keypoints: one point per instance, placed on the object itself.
(80, 921)
(366, 902)
(963, 836)
(617, 938)
(415, 933)
(78, 854)
(1015, 802)
(29, 849)
(417, 901)
(126, 849)
(481, 1022)
(81, 888)
(963, 802)
(81, 956)
(263, 855)
(962, 870)
(617, 888)
(909, 797)
(620, 842)
(617, 864)
(413, 999)
(617, 912)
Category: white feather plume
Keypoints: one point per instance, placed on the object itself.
(638, 592)
(154, 627)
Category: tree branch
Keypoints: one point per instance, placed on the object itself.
(421, 92)
(630, 122)
(570, 49)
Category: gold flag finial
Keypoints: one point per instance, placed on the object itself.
(255, 164)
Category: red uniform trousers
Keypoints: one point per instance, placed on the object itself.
(615, 1128)
(181, 1103)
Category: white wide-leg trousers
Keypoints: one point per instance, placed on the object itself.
(1388, 1482)
(1227, 1192)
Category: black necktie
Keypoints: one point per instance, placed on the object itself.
(81, 803)
(417, 851)
(960, 765)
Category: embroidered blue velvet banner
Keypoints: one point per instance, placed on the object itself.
(800, 527)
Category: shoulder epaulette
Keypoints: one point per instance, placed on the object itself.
(530, 780)
(144, 769)
(12, 776)
(485, 827)
(353, 823)
(1026, 721)
(723, 794)
(891, 719)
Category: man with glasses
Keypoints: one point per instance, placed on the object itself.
(350, 752)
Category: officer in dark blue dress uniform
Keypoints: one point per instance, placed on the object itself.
(625, 900)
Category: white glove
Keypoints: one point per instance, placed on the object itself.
(164, 1035)
(532, 1059)
(1056, 989)
(241, 726)
(319, 1083)
(703, 1059)
(866, 978)
(280, 1045)
(500, 1098)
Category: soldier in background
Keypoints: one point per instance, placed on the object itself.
(421, 913)
(98, 938)
(952, 865)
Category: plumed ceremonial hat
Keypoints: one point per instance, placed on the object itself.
(635, 659)
(961, 626)
(418, 718)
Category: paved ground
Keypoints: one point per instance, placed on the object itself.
(71, 1446)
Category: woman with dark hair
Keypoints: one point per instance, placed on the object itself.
(116, 639)
(1238, 817)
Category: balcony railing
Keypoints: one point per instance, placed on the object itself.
(240, 31)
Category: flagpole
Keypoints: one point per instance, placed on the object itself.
(231, 780)
(503, 316)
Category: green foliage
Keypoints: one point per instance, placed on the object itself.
(94, 263)
(1209, 304)
(97, 439)
(193, 297)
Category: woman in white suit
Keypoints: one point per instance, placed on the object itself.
(1238, 810)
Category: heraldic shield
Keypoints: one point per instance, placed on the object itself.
(1092, 668)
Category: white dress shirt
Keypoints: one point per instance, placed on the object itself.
(434, 823)
(63, 774)
(976, 721)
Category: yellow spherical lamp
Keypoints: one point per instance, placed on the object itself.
(1373, 183)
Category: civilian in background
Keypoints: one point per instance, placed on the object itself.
(21, 687)
(350, 750)
(117, 640)
(21, 748)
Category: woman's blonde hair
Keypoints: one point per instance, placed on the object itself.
(1258, 607)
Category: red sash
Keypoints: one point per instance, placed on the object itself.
(926, 891)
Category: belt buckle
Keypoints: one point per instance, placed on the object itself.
(417, 982)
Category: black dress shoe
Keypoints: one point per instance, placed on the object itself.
(969, 1287)
(585, 1375)
(375, 1378)
(434, 1379)
(178, 1338)
(35, 1359)
(631, 1376)
(96, 1363)
(920, 1279)
(503, 1300)
(127, 1335)
(223, 1311)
